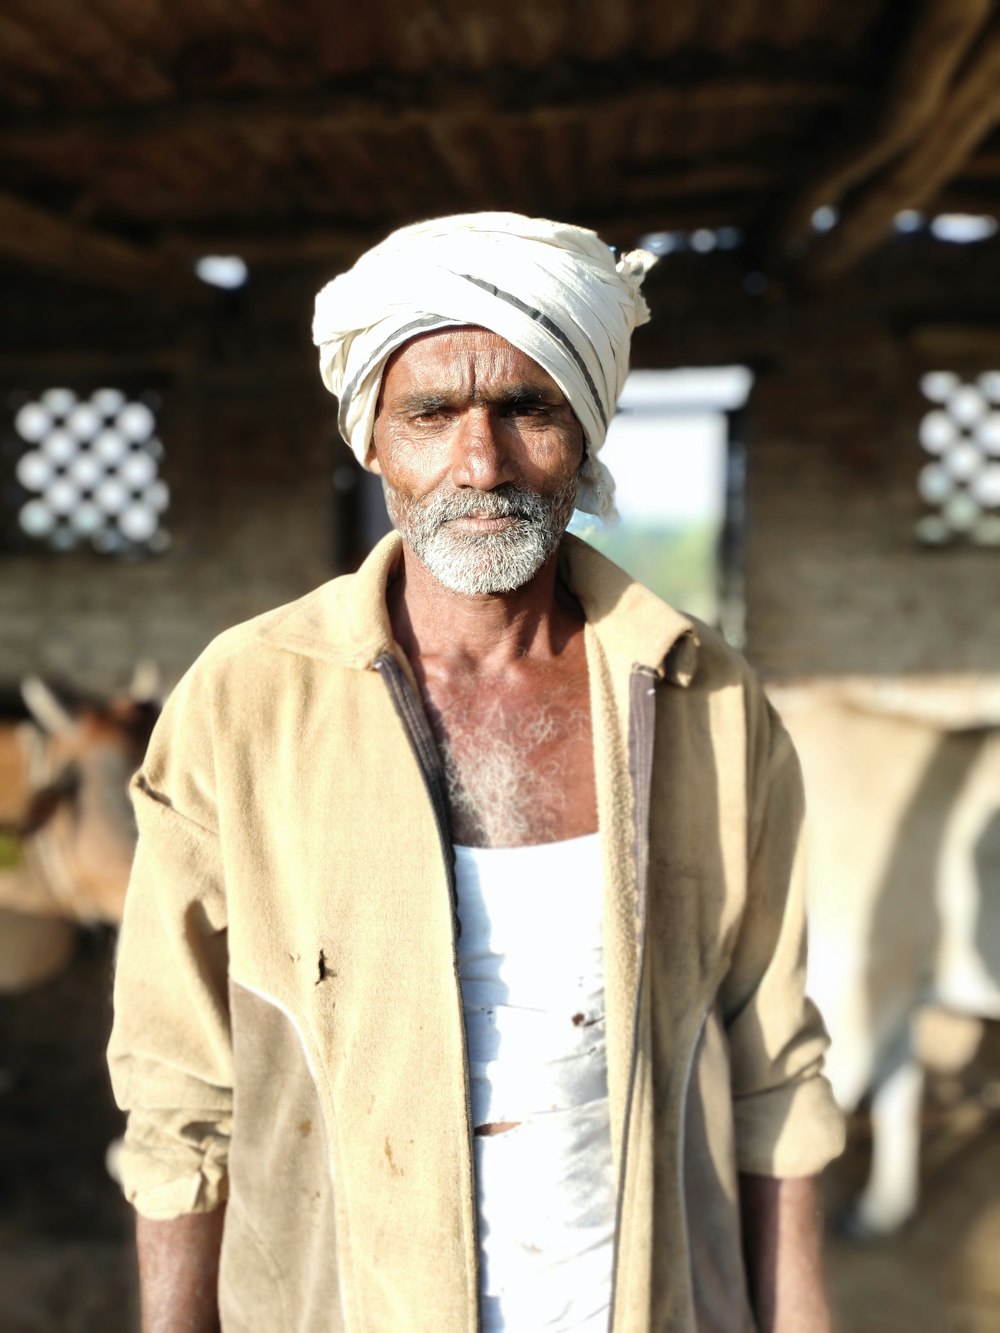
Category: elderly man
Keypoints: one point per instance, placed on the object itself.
(461, 976)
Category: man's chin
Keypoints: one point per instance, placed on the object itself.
(479, 582)
(490, 570)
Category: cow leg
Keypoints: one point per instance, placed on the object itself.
(890, 1194)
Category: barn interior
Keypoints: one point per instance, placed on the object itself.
(822, 184)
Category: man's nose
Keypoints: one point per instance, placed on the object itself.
(480, 453)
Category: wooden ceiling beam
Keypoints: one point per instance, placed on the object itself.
(57, 362)
(387, 103)
(983, 166)
(979, 198)
(334, 246)
(469, 166)
(968, 348)
(87, 49)
(706, 178)
(939, 41)
(339, 246)
(35, 236)
(918, 176)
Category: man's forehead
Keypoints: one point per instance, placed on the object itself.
(460, 357)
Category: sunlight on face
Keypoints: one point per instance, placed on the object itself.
(479, 454)
(470, 560)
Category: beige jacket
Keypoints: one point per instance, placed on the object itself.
(288, 1030)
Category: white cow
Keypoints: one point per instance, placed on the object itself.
(903, 793)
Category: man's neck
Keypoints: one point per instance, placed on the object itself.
(504, 683)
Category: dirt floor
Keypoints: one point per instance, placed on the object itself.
(66, 1257)
(941, 1274)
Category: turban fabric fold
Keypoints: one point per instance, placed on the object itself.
(553, 290)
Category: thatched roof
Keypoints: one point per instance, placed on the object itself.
(135, 134)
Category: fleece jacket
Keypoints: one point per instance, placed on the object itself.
(288, 1029)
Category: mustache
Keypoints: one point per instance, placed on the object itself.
(504, 502)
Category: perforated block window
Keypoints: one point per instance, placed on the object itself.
(960, 486)
(83, 471)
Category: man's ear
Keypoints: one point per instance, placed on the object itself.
(584, 453)
(371, 458)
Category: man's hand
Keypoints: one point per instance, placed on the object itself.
(782, 1245)
(179, 1272)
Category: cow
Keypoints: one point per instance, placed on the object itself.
(903, 796)
(67, 834)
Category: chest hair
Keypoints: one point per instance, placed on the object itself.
(506, 769)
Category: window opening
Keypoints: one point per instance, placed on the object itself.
(960, 485)
(85, 473)
(675, 450)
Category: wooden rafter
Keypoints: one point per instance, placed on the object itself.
(339, 246)
(32, 235)
(960, 197)
(55, 363)
(443, 98)
(983, 166)
(940, 39)
(706, 179)
(969, 114)
(958, 347)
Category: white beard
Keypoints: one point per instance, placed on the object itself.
(475, 563)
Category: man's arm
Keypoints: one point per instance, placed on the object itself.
(170, 1053)
(179, 1272)
(782, 1244)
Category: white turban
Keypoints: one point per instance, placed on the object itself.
(552, 290)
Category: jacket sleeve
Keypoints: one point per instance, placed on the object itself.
(170, 1051)
(786, 1120)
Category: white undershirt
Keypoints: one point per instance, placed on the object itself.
(532, 976)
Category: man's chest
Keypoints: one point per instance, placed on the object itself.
(518, 756)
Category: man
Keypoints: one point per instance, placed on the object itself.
(461, 977)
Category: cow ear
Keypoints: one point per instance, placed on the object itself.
(146, 681)
(45, 708)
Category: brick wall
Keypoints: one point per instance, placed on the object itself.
(253, 522)
(835, 583)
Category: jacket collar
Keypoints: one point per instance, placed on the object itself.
(346, 621)
(634, 627)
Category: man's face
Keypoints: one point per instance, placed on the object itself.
(479, 454)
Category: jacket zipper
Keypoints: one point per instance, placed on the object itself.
(642, 715)
(425, 751)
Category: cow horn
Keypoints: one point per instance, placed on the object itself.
(146, 681)
(45, 708)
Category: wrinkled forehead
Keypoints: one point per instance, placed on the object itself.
(464, 360)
